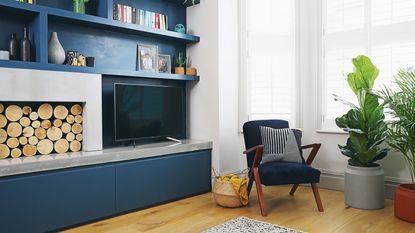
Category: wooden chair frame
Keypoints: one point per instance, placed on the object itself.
(254, 175)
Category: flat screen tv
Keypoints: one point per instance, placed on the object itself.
(145, 112)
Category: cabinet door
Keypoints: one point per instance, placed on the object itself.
(142, 183)
(43, 202)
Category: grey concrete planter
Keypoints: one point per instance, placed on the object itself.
(364, 187)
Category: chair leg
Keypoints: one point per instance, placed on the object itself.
(250, 183)
(293, 189)
(317, 197)
(260, 193)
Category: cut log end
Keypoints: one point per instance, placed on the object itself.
(27, 110)
(70, 137)
(12, 143)
(33, 141)
(23, 140)
(76, 109)
(46, 124)
(61, 146)
(25, 121)
(29, 150)
(54, 133)
(75, 146)
(36, 124)
(1, 108)
(3, 121)
(45, 146)
(60, 112)
(14, 130)
(3, 135)
(16, 153)
(28, 131)
(57, 122)
(77, 128)
(40, 133)
(33, 116)
(4, 151)
(45, 111)
(14, 113)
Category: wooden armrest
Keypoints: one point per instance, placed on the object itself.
(252, 149)
(315, 148)
(259, 150)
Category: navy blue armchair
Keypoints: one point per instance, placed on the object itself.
(277, 173)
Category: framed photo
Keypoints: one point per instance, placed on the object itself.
(147, 58)
(164, 63)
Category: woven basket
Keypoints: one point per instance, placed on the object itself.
(225, 195)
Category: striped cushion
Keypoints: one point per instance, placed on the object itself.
(281, 145)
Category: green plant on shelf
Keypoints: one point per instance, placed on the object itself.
(79, 6)
(186, 1)
(180, 60)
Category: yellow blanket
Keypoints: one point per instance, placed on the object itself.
(239, 184)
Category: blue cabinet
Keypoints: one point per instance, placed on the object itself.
(143, 183)
(48, 201)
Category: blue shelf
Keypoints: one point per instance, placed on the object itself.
(92, 70)
(100, 22)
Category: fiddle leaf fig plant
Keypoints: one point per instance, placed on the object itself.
(401, 131)
(364, 122)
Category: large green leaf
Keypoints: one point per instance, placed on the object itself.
(364, 75)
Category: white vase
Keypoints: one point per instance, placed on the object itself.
(56, 53)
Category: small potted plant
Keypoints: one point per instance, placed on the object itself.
(79, 6)
(189, 69)
(180, 60)
(401, 136)
(364, 122)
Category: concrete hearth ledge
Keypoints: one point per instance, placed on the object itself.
(25, 165)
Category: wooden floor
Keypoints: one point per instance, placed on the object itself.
(300, 212)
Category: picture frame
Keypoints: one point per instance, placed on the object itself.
(147, 58)
(164, 63)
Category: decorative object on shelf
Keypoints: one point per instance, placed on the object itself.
(27, 1)
(189, 69)
(56, 53)
(20, 135)
(70, 56)
(81, 60)
(181, 61)
(364, 178)
(401, 136)
(90, 61)
(13, 47)
(25, 48)
(147, 57)
(4, 55)
(164, 62)
(79, 6)
(180, 28)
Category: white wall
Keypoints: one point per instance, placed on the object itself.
(213, 101)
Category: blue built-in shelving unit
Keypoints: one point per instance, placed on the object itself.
(96, 34)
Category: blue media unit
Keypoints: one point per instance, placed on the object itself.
(58, 199)
(96, 34)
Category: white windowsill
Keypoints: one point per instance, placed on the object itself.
(331, 131)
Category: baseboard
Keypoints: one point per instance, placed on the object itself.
(335, 181)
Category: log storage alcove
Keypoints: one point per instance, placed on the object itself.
(28, 129)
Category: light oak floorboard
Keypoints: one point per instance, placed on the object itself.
(299, 212)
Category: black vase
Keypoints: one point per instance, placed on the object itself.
(25, 47)
(13, 48)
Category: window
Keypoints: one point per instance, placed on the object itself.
(268, 53)
(381, 29)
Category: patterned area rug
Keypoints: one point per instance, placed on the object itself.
(247, 225)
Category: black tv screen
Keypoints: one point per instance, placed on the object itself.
(147, 111)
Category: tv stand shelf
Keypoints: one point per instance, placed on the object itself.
(49, 193)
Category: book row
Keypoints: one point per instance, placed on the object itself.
(128, 14)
